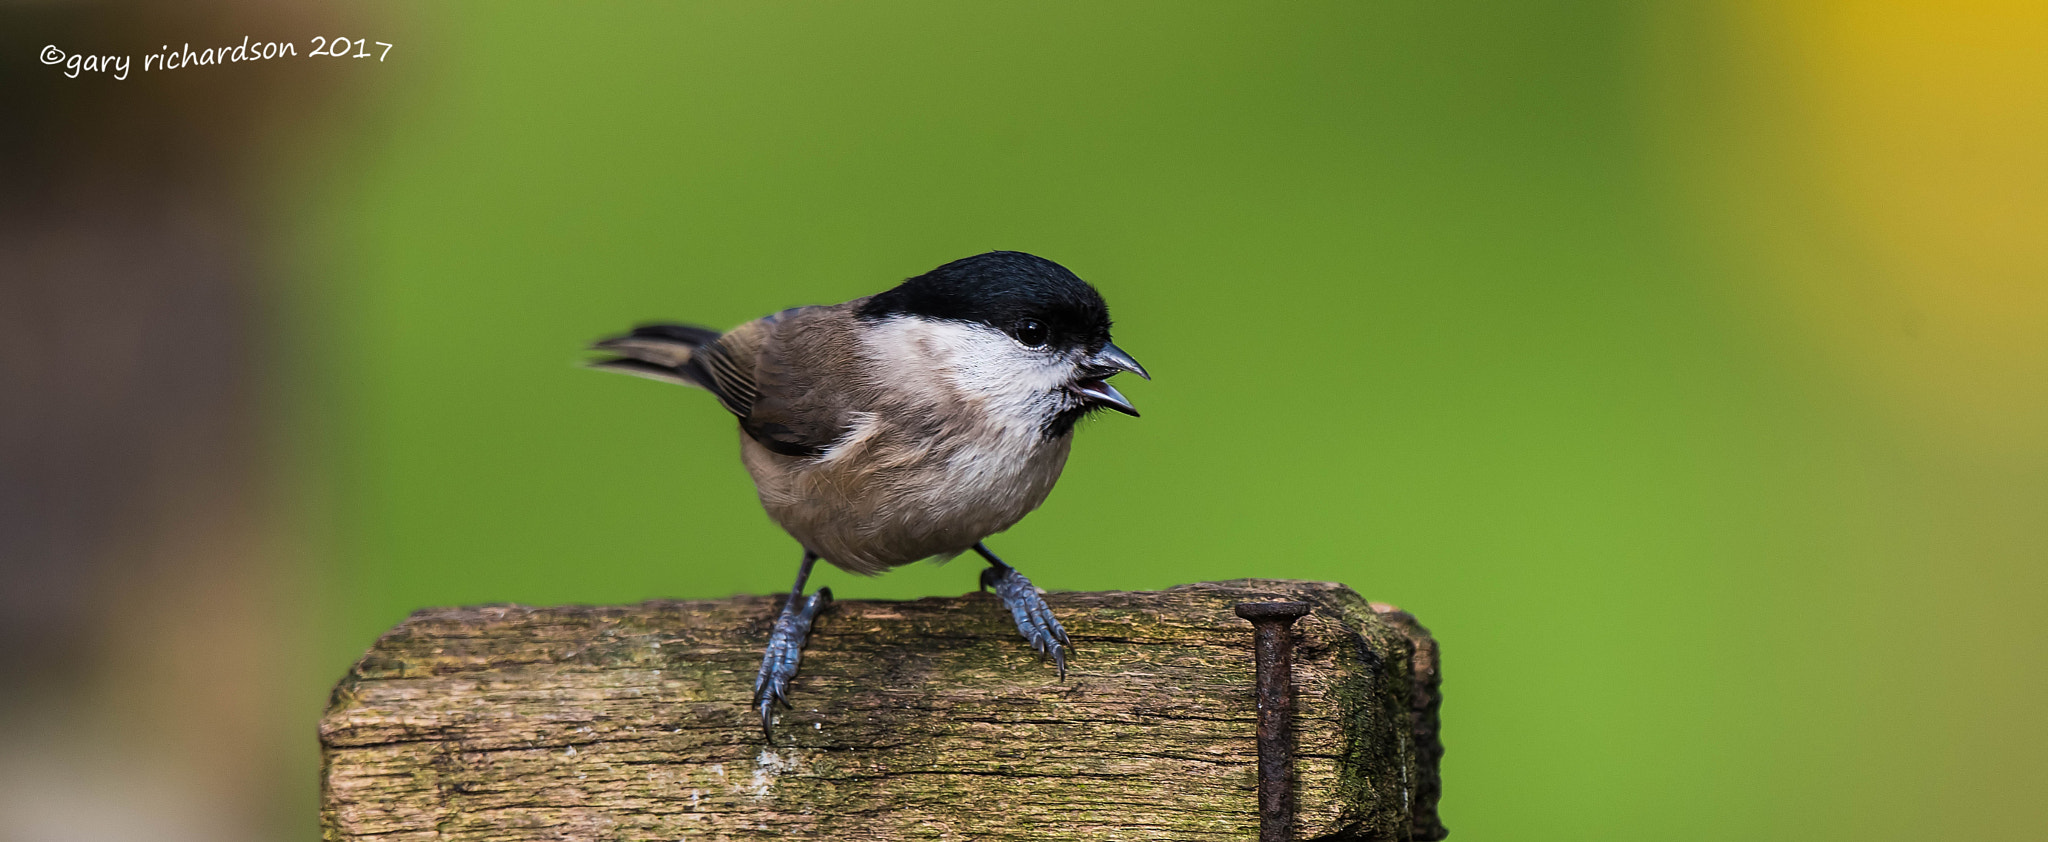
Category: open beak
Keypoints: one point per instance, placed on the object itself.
(1113, 357)
(1096, 392)
(1095, 388)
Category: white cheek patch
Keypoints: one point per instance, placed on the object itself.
(977, 363)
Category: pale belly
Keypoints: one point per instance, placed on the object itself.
(867, 514)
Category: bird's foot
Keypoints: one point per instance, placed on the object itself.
(785, 651)
(1034, 618)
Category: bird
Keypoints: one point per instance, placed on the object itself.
(906, 425)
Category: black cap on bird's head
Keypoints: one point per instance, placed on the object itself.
(1029, 297)
(1034, 300)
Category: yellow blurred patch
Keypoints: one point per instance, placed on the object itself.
(1900, 154)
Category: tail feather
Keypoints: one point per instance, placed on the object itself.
(647, 370)
(658, 352)
(685, 334)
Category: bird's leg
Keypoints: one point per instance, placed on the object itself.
(786, 643)
(1034, 617)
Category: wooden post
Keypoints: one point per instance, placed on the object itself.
(929, 719)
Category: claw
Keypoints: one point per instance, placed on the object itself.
(785, 652)
(1034, 618)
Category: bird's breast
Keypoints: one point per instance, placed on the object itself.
(898, 489)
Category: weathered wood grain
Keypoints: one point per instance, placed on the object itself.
(929, 719)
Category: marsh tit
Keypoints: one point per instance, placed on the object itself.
(906, 425)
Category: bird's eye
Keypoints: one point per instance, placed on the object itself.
(1033, 333)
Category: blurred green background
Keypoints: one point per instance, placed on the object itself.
(1683, 366)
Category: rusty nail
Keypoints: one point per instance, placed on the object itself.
(1274, 647)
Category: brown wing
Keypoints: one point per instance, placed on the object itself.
(775, 371)
(784, 375)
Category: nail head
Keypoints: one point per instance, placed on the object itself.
(1257, 611)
